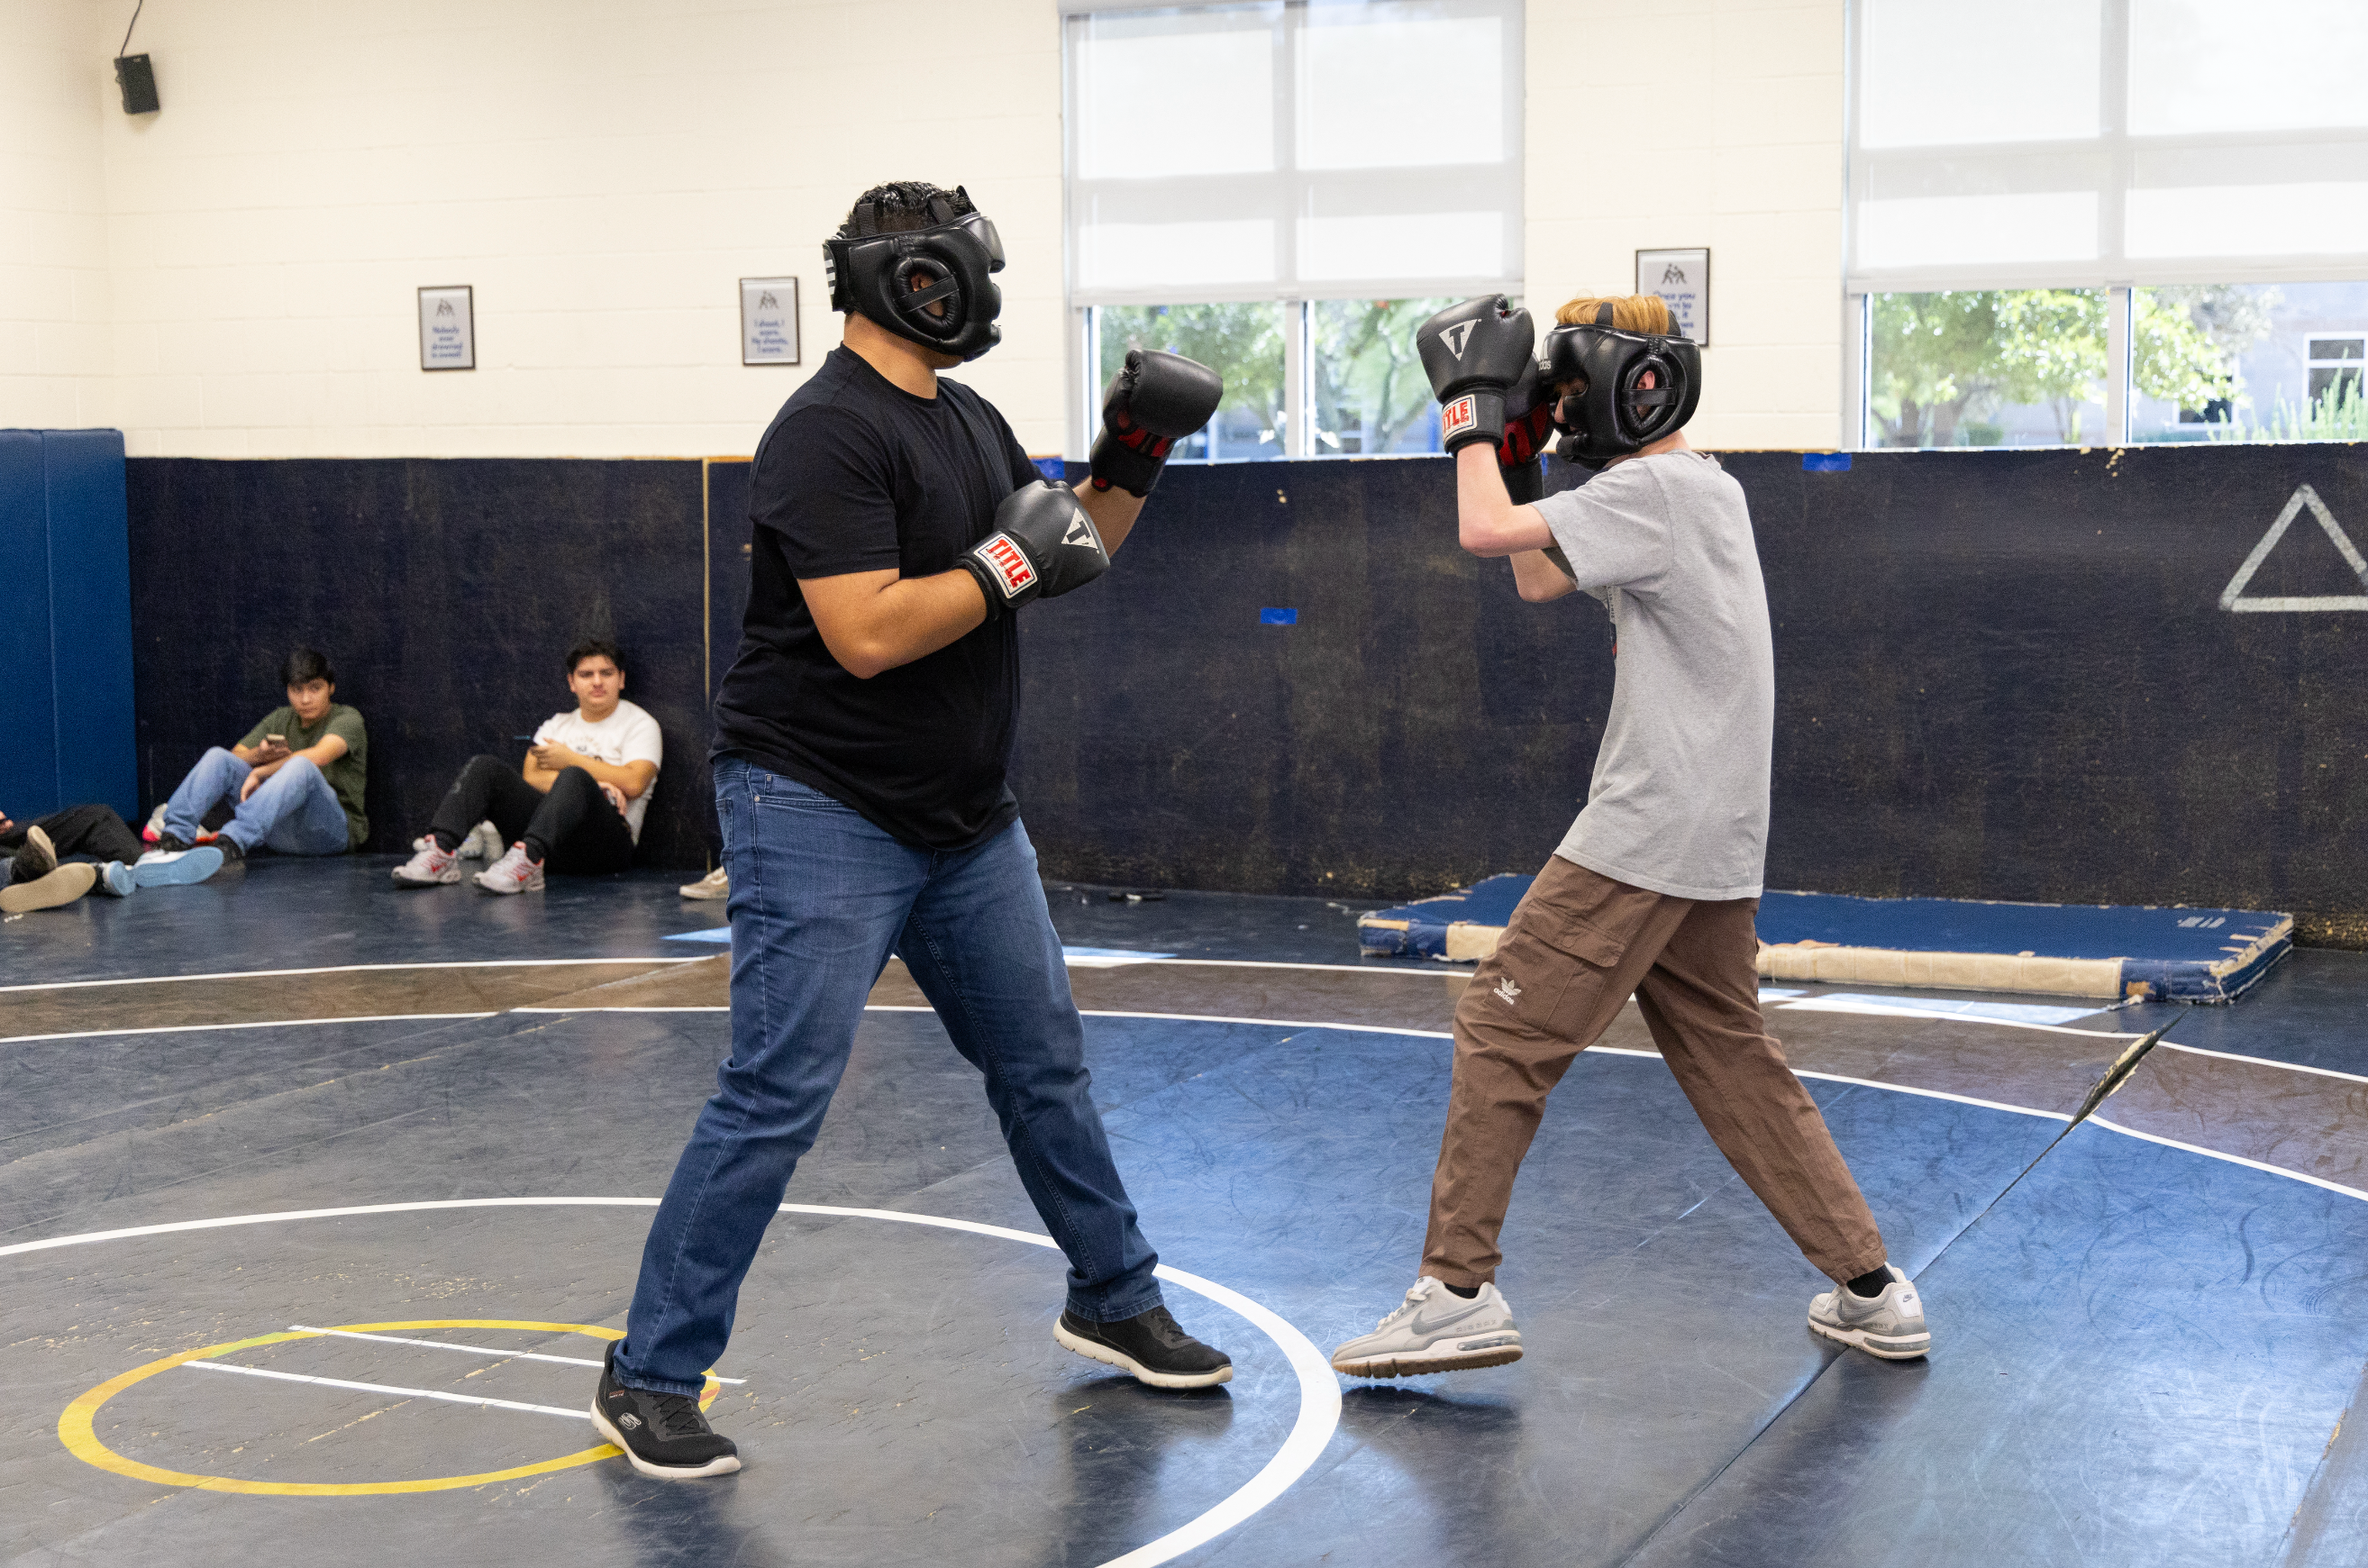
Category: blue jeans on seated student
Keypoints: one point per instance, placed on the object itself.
(820, 899)
(293, 811)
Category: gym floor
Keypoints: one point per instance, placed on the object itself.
(2148, 1324)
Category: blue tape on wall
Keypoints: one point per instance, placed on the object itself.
(1277, 618)
(1825, 462)
(1051, 467)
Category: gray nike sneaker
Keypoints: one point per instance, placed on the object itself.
(1435, 1330)
(1890, 1326)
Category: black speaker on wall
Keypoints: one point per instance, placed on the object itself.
(139, 83)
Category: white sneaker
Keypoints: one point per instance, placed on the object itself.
(1435, 1330)
(1890, 1326)
(430, 868)
(717, 883)
(154, 829)
(512, 873)
(484, 843)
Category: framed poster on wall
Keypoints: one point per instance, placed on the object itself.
(1682, 280)
(768, 321)
(448, 328)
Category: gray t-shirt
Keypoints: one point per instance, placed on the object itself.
(1679, 804)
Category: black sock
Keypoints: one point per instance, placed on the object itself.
(439, 835)
(536, 850)
(1872, 1284)
(1467, 1292)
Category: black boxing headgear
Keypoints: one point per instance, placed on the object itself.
(1615, 415)
(873, 273)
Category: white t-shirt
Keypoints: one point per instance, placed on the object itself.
(1679, 800)
(629, 734)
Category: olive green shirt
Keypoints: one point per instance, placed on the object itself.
(346, 773)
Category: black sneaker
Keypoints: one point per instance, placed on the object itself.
(663, 1434)
(233, 857)
(1152, 1346)
(168, 844)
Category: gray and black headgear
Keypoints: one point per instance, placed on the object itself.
(873, 273)
(1614, 416)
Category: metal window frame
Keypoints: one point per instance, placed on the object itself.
(1286, 193)
(2112, 164)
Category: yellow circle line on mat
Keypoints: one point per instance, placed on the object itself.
(78, 1429)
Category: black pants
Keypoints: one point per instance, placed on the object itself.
(573, 830)
(94, 831)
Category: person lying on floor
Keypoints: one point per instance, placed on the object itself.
(297, 778)
(573, 807)
(55, 859)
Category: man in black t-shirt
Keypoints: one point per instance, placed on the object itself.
(863, 734)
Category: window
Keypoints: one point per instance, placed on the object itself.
(2105, 220)
(2334, 364)
(1295, 237)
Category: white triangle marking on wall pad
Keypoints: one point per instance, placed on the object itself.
(2232, 597)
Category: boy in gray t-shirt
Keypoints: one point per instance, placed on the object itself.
(1653, 890)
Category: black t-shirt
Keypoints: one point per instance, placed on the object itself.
(856, 474)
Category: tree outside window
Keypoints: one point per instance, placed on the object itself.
(1242, 342)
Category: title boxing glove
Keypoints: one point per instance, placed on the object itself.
(1043, 545)
(1474, 353)
(1154, 401)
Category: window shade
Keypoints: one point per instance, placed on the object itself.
(1278, 150)
(2031, 143)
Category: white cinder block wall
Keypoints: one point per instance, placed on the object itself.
(600, 175)
(1668, 123)
(55, 356)
(235, 275)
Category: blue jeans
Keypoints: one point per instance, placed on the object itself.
(294, 811)
(820, 899)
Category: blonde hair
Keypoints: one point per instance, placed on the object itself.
(1629, 313)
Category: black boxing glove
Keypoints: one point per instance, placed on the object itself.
(1474, 353)
(1043, 545)
(1154, 401)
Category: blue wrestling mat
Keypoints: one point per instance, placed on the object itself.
(2105, 950)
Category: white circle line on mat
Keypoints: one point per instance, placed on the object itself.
(1319, 1389)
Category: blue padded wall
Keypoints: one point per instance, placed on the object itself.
(90, 618)
(66, 624)
(29, 735)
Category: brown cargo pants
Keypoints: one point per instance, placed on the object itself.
(1578, 946)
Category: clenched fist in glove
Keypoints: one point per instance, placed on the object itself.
(1153, 401)
(1043, 545)
(1474, 353)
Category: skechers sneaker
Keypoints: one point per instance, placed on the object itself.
(430, 868)
(663, 1434)
(1434, 1330)
(176, 868)
(1151, 1345)
(717, 883)
(1890, 1326)
(512, 873)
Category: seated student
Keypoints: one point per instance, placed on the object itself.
(575, 806)
(297, 776)
(59, 858)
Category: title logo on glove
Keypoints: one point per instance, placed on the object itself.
(1080, 530)
(1456, 336)
(1010, 563)
(1458, 416)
